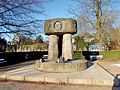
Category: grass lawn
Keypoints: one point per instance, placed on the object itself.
(78, 55)
(110, 55)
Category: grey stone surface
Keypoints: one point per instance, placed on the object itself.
(94, 75)
(53, 48)
(56, 80)
(35, 79)
(16, 77)
(60, 32)
(72, 66)
(60, 26)
(67, 47)
(79, 81)
(3, 77)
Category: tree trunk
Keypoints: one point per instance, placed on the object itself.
(98, 18)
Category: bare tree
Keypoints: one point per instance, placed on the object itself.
(114, 38)
(96, 15)
(17, 16)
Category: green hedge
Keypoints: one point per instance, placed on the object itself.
(78, 55)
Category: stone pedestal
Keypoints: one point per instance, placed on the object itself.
(67, 47)
(71, 66)
(53, 48)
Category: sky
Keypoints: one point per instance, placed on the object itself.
(54, 9)
(58, 9)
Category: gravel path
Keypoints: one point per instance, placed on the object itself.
(9, 85)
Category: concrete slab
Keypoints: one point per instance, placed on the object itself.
(110, 66)
(35, 78)
(94, 75)
(16, 78)
(56, 80)
(3, 77)
(102, 82)
(79, 81)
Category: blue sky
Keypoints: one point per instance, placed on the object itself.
(54, 9)
(58, 9)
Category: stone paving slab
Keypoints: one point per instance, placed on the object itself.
(111, 67)
(94, 75)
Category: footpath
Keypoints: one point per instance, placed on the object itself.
(100, 73)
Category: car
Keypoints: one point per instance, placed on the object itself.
(2, 60)
(96, 57)
(97, 47)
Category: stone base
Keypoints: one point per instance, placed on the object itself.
(71, 66)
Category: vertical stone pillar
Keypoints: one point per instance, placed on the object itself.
(53, 48)
(67, 47)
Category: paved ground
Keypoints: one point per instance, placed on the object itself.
(101, 73)
(15, 66)
(111, 66)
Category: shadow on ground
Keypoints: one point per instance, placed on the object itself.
(18, 57)
(89, 63)
(87, 54)
(116, 85)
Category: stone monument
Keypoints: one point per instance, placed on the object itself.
(60, 50)
(60, 37)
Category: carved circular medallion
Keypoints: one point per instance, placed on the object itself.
(57, 25)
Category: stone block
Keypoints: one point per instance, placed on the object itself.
(34, 78)
(71, 66)
(3, 77)
(79, 81)
(16, 78)
(67, 47)
(56, 80)
(60, 26)
(53, 48)
(102, 82)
